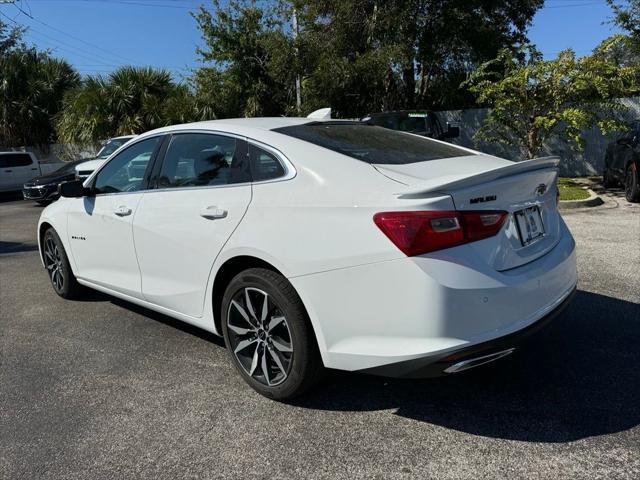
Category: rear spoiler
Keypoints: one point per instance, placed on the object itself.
(515, 168)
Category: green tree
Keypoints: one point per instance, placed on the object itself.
(532, 99)
(626, 15)
(381, 55)
(130, 100)
(247, 49)
(10, 37)
(357, 56)
(32, 86)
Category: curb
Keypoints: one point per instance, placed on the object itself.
(594, 200)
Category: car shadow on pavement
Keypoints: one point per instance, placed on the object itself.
(15, 247)
(580, 377)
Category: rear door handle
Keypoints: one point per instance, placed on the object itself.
(123, 211)
(212, 212)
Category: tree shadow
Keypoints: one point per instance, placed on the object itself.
(578, 378)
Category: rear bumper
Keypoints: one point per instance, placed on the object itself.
(467, 357)
(418, 310)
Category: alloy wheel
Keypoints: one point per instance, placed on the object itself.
(54, 263)
(259, 336)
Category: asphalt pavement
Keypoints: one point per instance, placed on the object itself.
(100, 388)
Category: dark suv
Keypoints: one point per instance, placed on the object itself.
(622, 162)
(423, 123)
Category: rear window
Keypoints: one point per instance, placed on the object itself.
(373, 144)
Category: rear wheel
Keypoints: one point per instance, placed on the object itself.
(63, 280)
(631, 185)
(268, 335)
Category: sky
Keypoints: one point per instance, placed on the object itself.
(97, 36)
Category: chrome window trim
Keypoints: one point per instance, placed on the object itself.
(290, 171)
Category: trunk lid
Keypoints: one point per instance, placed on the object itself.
(482, 182)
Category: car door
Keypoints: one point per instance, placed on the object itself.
(26, 167)
(6, 174)
(203, 191)
(100, 226)
(15, 169)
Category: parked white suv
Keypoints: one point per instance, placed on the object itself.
(83, 170)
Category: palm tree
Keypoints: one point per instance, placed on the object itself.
(131, 100)
(32, 87)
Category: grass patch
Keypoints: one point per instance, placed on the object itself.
(570, 190)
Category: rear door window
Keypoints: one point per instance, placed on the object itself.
(373, 144)
(203, 159)
(10, 160)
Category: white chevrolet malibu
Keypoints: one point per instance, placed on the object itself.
(320, 244)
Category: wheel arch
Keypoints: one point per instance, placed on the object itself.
(42, 228)
(229, 269)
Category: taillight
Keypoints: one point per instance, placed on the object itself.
(421, 232)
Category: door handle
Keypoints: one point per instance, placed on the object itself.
(8, 171)
(34, 168)
(212, 212)
(123, 211)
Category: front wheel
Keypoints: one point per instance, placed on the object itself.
(631, 184)
(268, 335)
(63, 280)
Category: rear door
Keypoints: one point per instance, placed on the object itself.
(15, 169)
(6, 174)
(202, 192)
(26, 167)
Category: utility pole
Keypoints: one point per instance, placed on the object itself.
(298, 84)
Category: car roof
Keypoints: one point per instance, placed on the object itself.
(240, 126)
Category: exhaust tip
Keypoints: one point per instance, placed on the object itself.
(477, 361)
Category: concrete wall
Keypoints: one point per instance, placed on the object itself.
(572, 164)
(56, 152)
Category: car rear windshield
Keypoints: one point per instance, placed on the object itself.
(373, 144)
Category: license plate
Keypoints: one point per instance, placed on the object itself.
(530, 225)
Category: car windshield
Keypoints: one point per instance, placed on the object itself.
(111, 146)
(373, 144)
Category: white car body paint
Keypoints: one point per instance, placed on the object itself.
(369, 304)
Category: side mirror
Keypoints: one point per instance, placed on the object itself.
(452, 132)
(72, 189)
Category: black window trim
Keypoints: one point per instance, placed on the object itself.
(147, 172)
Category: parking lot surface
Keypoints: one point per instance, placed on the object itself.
(103, 389)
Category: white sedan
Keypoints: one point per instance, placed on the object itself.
(320, 244)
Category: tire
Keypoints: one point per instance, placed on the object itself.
(277, 340)
(62, 279)
(631, 185)
(607, 181)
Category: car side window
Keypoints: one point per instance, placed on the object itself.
(11, 160)
(264, 165)
(125, 172)
(203, 159)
